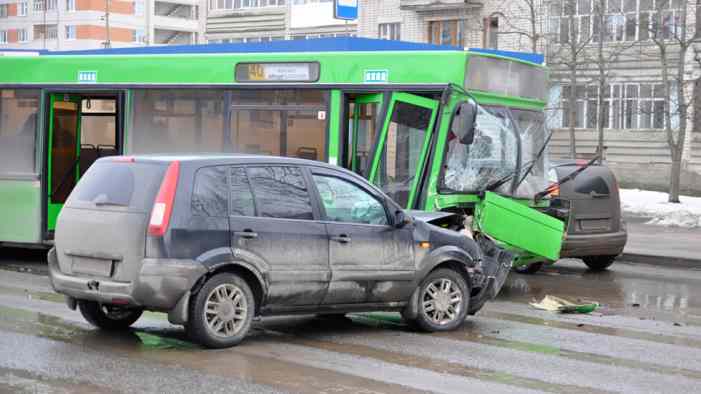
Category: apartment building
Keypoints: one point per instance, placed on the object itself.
(633, 100)
(89, 24)
(267, 20)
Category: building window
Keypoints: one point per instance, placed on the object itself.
(624, 20)
(70, 5)
(139, 36)
(22, 35)
(449, 32)
(625, 106)
(4, 10)
(239, 4)
(70, 32)
(389, 31)
(3, 36)
(491, 32)
(139, 7)
(22, 8)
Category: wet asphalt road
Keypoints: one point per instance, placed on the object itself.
(646, 337)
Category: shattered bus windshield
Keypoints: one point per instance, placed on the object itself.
(534, 136)
(502, 138)
(491, 156)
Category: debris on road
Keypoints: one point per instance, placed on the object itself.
(557, 304)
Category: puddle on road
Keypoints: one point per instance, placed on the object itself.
(619, 294)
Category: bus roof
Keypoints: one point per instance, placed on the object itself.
(339, 44)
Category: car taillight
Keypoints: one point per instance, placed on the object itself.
(163, 206)
(554, 190)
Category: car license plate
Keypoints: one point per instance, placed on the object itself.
(88, 266)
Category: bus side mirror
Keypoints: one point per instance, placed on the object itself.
(463, 125)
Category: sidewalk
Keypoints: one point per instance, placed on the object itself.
(654, 244)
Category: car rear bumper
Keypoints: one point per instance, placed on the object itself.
(594, 244)
(159, 285)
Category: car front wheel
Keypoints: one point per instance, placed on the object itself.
(598, 263)
(444, 299)
(221, 312)
(108, 317)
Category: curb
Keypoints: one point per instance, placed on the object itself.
(664, 261)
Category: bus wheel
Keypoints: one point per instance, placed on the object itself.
(529, 269)
(108, 317)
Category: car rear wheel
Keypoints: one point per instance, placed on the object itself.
(443, 302)
(598, 263)
(529, 269)
(108, 317)
(221, 312)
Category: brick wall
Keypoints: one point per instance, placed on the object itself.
(12, 9)
(12, 36)
(116, 6)
(90, 32)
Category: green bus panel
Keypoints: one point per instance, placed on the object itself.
(20, 210)
(520, 226)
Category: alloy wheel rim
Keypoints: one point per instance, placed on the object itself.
(225, 310)
(442, 301)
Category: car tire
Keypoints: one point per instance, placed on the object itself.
(529, 269)
(598, 263)
(446, 284)
(108, 317)
(222, 312)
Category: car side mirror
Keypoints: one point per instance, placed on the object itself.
(401, 219)
(464, 119)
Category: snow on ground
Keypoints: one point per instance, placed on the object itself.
(654, 205)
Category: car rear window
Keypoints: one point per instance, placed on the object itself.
(108, 184)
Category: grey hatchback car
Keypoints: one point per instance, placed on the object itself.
(216, 241)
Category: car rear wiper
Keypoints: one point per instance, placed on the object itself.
(566, 179)
(104, 203)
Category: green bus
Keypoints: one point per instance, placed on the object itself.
(439, 129)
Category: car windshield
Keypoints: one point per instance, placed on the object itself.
(491, 162)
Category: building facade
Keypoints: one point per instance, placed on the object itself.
(88, 24)
(633, 99)
(267, 20)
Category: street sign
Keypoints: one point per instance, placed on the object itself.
(345, 9)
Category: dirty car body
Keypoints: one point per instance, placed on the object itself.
(217, 240)
(595, 227)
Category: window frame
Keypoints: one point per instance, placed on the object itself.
(369, 189)
(195, 178)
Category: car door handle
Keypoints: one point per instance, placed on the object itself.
(343, 238)
(248, 234)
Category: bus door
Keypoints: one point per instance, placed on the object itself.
(402, 147)
(364, 123)
(82, 129)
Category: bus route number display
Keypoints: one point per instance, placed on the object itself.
(277, 72)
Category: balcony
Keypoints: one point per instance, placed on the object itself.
(176, 24)
(440, 5)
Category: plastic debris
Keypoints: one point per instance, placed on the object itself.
(561, 305)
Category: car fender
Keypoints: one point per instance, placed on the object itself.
(215, 259)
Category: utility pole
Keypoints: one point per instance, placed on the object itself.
(108, 41)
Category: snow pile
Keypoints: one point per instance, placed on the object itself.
(654, 205)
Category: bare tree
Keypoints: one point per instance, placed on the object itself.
(673, 36)
(525, 19)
